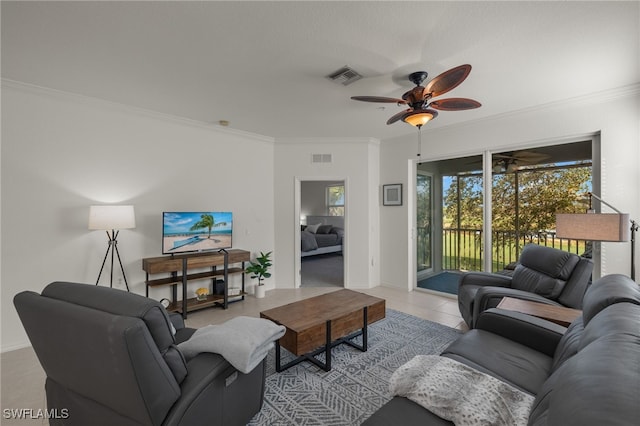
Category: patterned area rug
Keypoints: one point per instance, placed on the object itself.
(358, 383)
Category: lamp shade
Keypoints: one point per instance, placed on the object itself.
(419, 118)
(593, 226)
(111, 217)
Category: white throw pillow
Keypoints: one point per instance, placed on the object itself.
(313, 228)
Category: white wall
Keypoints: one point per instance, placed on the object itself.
(62, 153)
(616, 115)
(356, 161)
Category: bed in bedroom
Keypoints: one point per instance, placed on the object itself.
(321, 235)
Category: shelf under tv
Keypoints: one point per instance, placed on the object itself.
(178, 267)
(194, 304)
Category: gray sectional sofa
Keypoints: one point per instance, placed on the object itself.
(587, 374)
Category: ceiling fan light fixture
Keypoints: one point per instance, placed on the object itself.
(420, 118)
(419, 98)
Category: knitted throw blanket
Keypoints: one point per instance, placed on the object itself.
(243, 341)
(461, 394)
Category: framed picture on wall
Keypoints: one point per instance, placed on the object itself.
(392, 195)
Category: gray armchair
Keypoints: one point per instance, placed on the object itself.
(111, 359)
(543, 274)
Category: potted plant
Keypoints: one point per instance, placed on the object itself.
(260, 270)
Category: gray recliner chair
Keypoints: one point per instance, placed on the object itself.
(543, 274)
(111, 359)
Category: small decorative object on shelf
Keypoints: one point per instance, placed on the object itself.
(202, 293)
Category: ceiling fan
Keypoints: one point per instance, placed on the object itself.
(421, 108)
(510, 161)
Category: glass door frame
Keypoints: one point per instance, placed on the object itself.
(420, 274)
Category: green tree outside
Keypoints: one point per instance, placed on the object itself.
(335, 199)
(541, 194)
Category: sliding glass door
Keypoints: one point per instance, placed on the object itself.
(527, 188)
(449, 215)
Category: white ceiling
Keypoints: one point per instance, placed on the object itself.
(262, 65)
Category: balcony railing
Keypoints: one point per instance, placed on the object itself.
(462, 249)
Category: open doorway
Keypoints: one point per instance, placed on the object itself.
(322, 227)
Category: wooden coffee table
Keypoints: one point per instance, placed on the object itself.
(317, 324)
(558, 314)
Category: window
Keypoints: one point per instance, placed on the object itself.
(335, 200)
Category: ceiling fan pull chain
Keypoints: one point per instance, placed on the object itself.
(419, 141)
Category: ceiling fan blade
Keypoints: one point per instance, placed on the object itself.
(531, 159)
(530, 155)
(523, 157)
(378, 99)
(448, 80)
(455, 104)
(398, 116)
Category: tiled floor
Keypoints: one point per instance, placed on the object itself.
(23, 378)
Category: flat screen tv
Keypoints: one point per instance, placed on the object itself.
(184, 232)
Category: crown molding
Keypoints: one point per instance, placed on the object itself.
(595, 98)
(328, 141)
(102, 103)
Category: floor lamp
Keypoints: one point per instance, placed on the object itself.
(112, 219)
(615, 227)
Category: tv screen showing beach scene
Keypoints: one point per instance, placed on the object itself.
(196, 231)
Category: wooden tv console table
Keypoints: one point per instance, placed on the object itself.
(178, 266)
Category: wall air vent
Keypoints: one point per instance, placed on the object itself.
(345, 76)
(320, 158)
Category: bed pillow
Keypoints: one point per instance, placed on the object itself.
(308, 241)
(313, 228)
(324, 229)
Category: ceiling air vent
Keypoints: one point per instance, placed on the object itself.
(320, 158)
(345, 76)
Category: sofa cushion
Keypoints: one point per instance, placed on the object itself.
(402, 411)
(127, 304)
(543, 271)
(466, 298)
(621, 318)
(607, 291)
(575, 288)
(598, 386)
(569, 343)
(553, 262)
(511, 362)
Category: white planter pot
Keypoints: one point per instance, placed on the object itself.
(260, 291)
